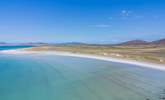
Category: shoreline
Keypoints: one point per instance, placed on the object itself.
(111, 59)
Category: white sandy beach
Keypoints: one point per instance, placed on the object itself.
(133, 62)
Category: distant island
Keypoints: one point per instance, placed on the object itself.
(132, 42)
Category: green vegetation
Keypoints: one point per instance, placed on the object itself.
(146, 53)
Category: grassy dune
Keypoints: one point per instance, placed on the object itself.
(146, 53)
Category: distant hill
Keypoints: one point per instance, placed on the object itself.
(159, 42)
(128, 43)
(80, 44)
(134, 42)
(71, 43)
(2, 42)
(142, 42)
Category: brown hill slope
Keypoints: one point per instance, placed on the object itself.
(134, 42)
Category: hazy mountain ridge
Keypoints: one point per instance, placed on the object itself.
(134, 42)
(127, 43)
(142, 42)
(161, 42)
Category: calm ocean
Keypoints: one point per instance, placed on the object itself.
(13, 47)
(49, 77)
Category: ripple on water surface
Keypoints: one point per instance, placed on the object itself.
(45, 77)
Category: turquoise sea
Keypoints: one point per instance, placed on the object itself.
(50, 77)
(13, 47)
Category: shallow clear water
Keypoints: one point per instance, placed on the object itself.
(49, 77)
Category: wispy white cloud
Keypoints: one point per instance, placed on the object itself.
(101, 25)
(125, 13)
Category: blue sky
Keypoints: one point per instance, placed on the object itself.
(92, 21)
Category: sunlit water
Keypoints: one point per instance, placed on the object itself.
(50, 77)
